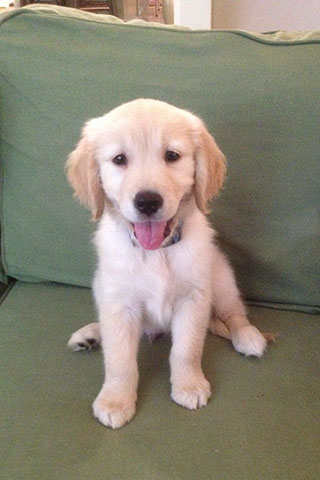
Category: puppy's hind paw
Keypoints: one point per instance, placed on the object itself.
(249, 341)
(86, 338)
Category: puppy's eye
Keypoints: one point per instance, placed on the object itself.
(171, 156)
(120, 159)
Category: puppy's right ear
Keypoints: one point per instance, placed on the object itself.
(83, 175)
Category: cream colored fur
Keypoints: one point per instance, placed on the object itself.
(186, 288)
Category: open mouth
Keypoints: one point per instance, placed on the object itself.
(150, 234)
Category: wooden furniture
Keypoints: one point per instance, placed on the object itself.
(96, 6)
(156, 4)
(102, 6)
(62, 3)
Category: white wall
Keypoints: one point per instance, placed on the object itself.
(266, 15)
(195, 14)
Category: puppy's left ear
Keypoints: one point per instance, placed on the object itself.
(210, 168)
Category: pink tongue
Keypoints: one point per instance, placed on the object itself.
(150, 234)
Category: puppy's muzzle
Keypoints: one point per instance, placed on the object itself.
(148, 202)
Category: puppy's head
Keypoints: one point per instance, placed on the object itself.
(145, 158)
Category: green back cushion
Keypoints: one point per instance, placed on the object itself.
(259, 95)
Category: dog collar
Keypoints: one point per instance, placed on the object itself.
(175, 237)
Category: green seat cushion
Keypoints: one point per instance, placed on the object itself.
(259, 424)
(258, 94)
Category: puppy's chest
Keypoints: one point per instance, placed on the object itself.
(161, 290)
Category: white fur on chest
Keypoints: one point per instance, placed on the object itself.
(145, 281)
(159, 292)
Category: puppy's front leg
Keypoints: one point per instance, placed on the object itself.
(189, 385)
(120, 333)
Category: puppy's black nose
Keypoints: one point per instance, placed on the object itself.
(148, 202)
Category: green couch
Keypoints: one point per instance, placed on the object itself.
(260, 97)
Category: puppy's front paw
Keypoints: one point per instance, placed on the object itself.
(113, 410)
(249, 341)
(192, 395)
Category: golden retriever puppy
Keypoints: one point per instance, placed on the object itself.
(147, 171)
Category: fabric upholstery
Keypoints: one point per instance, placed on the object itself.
(259, 424)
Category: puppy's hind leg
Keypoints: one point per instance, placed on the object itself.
(85, 338)
(230, 320)
(219, 328)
